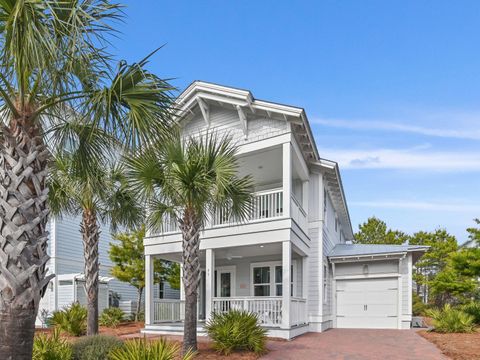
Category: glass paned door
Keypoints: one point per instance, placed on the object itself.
(225, 284)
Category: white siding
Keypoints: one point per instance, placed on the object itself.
(226, 122)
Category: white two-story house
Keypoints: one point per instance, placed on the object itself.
(293, 262)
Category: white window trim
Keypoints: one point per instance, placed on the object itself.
(272, 265)
(231, 269)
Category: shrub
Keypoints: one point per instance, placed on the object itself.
(145, 350)
(473, 309)
(96, 347)
(236, 330)
(111, 317)
(72, 320)
(450, 320)
(418, 306)
(51, 347)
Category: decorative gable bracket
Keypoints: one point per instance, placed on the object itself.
(243, 120)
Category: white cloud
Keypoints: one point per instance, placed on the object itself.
(419, 205)
(419, 158)
(472, 133)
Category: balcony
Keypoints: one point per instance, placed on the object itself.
(267, 204)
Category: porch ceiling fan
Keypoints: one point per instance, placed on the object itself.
(230, 256)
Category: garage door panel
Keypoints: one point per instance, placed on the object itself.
(367, 303)
(381, 297)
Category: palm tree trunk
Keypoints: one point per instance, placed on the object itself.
(139, 302)
(23, 236)
(191, 277)
(90, 233)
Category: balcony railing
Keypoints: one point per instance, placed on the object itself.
(168, 310)
(268, 309)
(298, 311)
(266, 205)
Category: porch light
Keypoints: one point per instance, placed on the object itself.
(262, 246)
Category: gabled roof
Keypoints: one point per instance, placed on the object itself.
(202, 94)
(362, 251)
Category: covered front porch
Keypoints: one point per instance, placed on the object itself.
(250, 278)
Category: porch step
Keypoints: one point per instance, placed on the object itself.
(171, 329)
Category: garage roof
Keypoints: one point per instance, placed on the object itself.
(361, 250)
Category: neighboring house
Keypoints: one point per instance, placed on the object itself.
(65, 248)
(298, 237)
(472, 243)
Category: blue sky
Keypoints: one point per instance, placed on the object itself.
(392, 88)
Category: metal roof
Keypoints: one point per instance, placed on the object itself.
(341, 250)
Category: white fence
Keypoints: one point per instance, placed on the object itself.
(268, 309)
(298, 311)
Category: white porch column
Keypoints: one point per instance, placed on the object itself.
(287, 178)
(149, 290)
(209, 282)
(182, 289)
(286, 276)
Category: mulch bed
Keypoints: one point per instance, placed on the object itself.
(131, 330)
(456, 346)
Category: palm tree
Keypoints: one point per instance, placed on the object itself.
(54, 63)
(85, 181)
(187, 181)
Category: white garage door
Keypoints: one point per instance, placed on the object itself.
(369, 304)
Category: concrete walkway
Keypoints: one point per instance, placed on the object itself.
(355, 344)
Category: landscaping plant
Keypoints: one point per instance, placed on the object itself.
(111, 317)
(473, 309)
(71, 320)
(186, 180)
(55, 66)
(451, 320)
(236, 330)
(51, 347)
(141, 349)
(96, 347)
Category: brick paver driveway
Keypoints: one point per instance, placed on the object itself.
(355, 344)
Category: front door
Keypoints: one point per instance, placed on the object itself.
(225, 282)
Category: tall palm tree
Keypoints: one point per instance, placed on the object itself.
(54, 63)
(86, 181)
(187, 180)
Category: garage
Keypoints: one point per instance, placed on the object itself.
(367, 303)
(372, 285)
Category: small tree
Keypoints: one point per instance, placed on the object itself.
(375, 231)
(129, 264)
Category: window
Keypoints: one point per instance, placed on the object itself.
(324, 201)
(268, 277)
(261, 281)
(278, 280)
(336, 224)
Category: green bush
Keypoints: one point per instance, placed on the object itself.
(418, 307)
(450, 320)
(149, 350)
(111, 317)
(236, 330)
(473, 309)
(51, 347)
(72, 320)
(96, 347)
